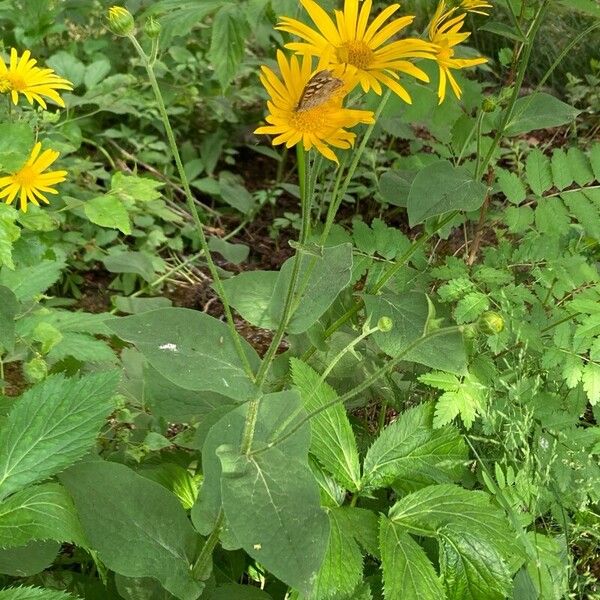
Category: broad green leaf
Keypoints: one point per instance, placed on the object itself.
(140, 588)
(134, 187)
(394, 187)
(38, 219)
(16, 142)
(273, 416)
(229, 29)
(427, 510)
(342, 566)
(271, 502)
(549, 570)
(539, 111)
(561, 171)
(8, 311)
(589, 7)
(411, 452)
(410, 314)
(407, 571)
(504, 30)
(440, 188)
(333, 442)
(233, 192)
(472, 569)
(470, 307)
(591, 382)
(41, 512)
(134, 306)
(259, 296)
(137, 527)
(108, 211)
(580, 166)
(28, 282)
(511, 186)
(96, 72)
(192, 349)
(539, 173)
(9, 233)
(30, 559)
(233, 253)
(126, 261)
(51, 426)
(31, 593)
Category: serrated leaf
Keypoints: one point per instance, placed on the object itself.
(552, 217)
(134, 187)
(518, 218)
(455, 289)
(561, 172)
(591, 382)
(9, 233)
(580, 166)
(227, 43)
(333, 442)
(28, 282)
(108, 211)
(511, 186)
(440, 380)
(31, 593)
(52, 425)
(594, 156)
(411, 452)
(538, 171)
(82, 347)
(572, 370)
(407, 571)
(41, 512)
(584, 211)
(137, 527)
(471, 307)
(472, 569)
(172, 339)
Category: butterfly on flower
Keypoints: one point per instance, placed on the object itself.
(318, 90)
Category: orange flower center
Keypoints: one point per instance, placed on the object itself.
(25, 177)
(313, 120)
(445, 52)
(12, 81)
(355, 52)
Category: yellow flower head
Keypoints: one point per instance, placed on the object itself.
(445, 32)
(30, 182)
(352, 40)
(120, 20)
(306, 107)
(23, 77)
(475, 6)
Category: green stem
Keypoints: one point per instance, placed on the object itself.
(201, 568)
(367, 383)
(192, 207)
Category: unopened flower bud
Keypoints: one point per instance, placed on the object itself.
(120, 20)
(490, 323)
(488, 105)
(152, 27)
(385, 324)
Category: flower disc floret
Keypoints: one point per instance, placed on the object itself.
(31, 182)
(319, 126)
(21, 76)
(354, 41)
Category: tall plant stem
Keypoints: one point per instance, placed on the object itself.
(192, 206)
(263, 371)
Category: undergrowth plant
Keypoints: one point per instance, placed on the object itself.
(423, 423)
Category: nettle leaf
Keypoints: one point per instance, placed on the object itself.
(407, 571)
(108, 211)
(440, 188)
(539, 111)
(342, 566)
(427, 510)
(229, 30)
(472, 569)
(137, 527)
(42, 512)
(28, 282)
(411, 452)
(31, 593)
(538, 171)
(410, 314)
(51, 426)
(192, 349)
(30, 559)
(9, 233)
(470, 307)
(333, 442)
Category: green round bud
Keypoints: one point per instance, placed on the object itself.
(152, 27)
(469, 331)
(385, 324)
(490, 323)
(488, 105)
(120, 21)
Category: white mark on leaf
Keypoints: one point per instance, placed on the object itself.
(169, 347)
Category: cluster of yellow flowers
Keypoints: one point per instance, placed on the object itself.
(306, 105)
(31, 182)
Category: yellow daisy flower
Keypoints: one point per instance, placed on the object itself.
(308, 108)
(445, 32)
(30, 182)
(474, 6)
(23, 77)
(353, 41)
